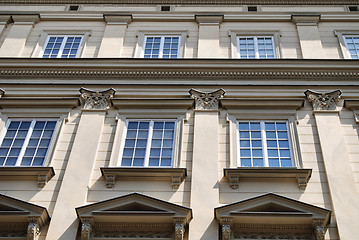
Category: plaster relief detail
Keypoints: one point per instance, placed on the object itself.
(302, 183)
(41, 181)
(33, 229)
(179, 228)
(86, 228)
(234, 182)
(319, 228)
(226, 228)
(323, 101)
(96, 100)
(206, 100)
(110, 181)
(176, 182)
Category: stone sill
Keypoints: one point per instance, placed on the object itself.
(235, 174)
(176, 175)
(41, 174)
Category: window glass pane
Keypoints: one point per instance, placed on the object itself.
(352, 46)
(62, 46)
(164, 47)
(255, 47)
(264, 144)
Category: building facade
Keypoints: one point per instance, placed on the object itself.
(181, 119)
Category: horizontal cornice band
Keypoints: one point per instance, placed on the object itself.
(188, 2)
(303, 69)
(270, 103)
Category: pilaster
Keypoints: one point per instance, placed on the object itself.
(208, 35)
(33, 229)
(309, 38)
(74, 187)
(205, 186)
(113, 37)
(4, 20)
(336, 159)
(16, 38)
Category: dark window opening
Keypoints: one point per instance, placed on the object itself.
(252, 9)
(165, 8)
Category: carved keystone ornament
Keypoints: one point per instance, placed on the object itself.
(206, 100)
(323, 101)
(96, 100)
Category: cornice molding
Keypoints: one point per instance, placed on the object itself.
(34, 68)
(305, 20)
(117, 19)
(190, 2)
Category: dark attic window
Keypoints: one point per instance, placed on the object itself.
(165, 8)
(74, 7)
(353, 8)
(252, 9)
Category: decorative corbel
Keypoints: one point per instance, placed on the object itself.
(179, 227)
(176, 182)
(42, 180)
(323, 101)
(226, 227)
(33, 229)
(234, 182)
(110, 181)
(319, 228)
(302, 182)
(96, 100)
(206, 100)
(86, 228)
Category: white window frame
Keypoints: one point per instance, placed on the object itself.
(255, 38)
(62, 44)
(235, 34)
(161, 45)
(264, 142)
(342, 43)
(141, 35)
(148, 146)
(45, 33)
(29, 133)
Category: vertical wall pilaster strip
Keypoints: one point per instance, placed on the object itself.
(15, 41)
(309, 38)
(113, 37)
(205, 185)
(208, 35)
(336, 159)
(74, 187)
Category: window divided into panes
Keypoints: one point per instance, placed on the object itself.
(256, 47)
(352, 43)
(149, 143)
(26, 143)
(161, 47)
(62, 46)
(264, 144)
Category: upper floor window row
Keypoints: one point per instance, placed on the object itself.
(26, 142)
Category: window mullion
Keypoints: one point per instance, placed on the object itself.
(161, 46)
(26, 142)
(62, 47)
(256, 46)
(148, 146)
(264, 144)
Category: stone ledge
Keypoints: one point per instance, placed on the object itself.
(39, 102)
(152, 103)
(235, 174)
(41, 174)
(286, 103)
(176, 175)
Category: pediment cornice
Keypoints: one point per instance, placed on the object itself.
(188, 2)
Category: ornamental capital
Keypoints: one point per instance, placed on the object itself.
(179, 227)
(206, 100)
(86, 228)
(33, 229)
(226, 227)
(319, 228)
(96, 100)
(323, 101)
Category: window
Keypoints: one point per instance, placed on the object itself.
(256, 47)
(264, 144)
(26, 143)
(352, 45)
(148, 143)
(161, 47)
(62, 46)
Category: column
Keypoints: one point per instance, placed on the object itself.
(74, 186)
(208, 35)
(336, 161)
(309, 39)
(112, 41)
(16, 38)
(205, 182)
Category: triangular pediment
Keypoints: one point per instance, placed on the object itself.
(19, 211)
(272, 207)
(136, 207)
